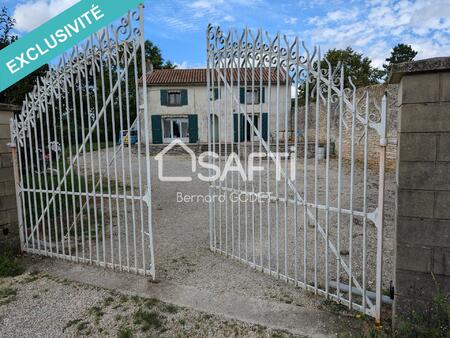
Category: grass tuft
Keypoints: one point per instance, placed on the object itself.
(148, 320)
(9, 267)
(125, 332)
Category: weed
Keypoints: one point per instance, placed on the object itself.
(82, 326)
(108, 301)
(148, 320)
(9, 267)
(125, 332)
(97, 312)
(150, 303)
(71, 323)
(170, 308)
(7, 292)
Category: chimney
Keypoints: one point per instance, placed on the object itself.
(149, 66)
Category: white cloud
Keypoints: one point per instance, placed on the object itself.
(32, 14)
(291, 21)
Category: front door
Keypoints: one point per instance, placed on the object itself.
(175, 128)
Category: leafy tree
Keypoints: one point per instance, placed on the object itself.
(400, 53)
(356, 66)
(16, 93)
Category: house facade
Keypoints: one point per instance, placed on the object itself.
(178, 102)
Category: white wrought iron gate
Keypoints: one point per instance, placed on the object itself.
(84, 191)
(313, 212)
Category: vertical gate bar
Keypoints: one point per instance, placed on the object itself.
(91, 153)
(63, 154)
(130, 166)
(232, 131)
(269, 150)
(32, 193)
(327, 176)
(352, 174)
(114, 140)
(216, 113)
(77, 160)
(296, 80)
(122, 155)
(252, 145)
(45, 111)
(58, 173)
(223, 126)
(108, 174)
(38, 158)
(213, 147)
(99, 140)
(338, 244)
(21, 182)
(286, 151)
(277, 135)
(316, 164)
(50, 142)
(246, 63)
(261, 88)
(139, 155)
(147, 140)
(17, 180)
(80, 93)
(96, 102)
(305, 179)
(366, 150)
(240, 126)
(380, 218)
(209, 62)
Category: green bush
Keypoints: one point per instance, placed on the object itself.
(9, 267)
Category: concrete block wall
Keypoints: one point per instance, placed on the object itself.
(9, 227)
(422, 262)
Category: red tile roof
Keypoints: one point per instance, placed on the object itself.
(170, 77)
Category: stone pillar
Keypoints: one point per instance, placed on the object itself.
(9, 225)
(422, 247)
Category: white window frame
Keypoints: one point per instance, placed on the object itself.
(180, 120)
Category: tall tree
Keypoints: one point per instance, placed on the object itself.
(356, 66)
(400, 53)
(16, 93)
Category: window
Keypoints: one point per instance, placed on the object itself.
(252, 96)
(213, 94)
(175, 128)
(174, 98)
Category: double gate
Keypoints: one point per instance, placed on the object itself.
(83, 194)
(312, 214)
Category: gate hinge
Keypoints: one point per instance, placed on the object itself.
(373, 216)
(147, 198)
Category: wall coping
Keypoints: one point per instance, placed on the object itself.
(8, 107)
(437, 64)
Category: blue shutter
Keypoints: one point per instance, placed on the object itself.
(238, 127)
(163, 94)
(193, 128)
(184, 97)
(263, 95)
(157, 129)
(242, 95)
(216, 93)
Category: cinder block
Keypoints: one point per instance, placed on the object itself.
(423, 232)
(414, 258)
(444, 147)
(424, 175)
(418, 147)
(441, 261)
(422, 118)
(5, 117)
(7, 188)
(4, 131)
(445, 87)
(6, 161)
(442, 207)
(418, 88)
(414, 203)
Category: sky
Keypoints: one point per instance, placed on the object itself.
(371, 27)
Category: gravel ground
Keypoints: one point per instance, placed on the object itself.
(38, 305)
(181, 232)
